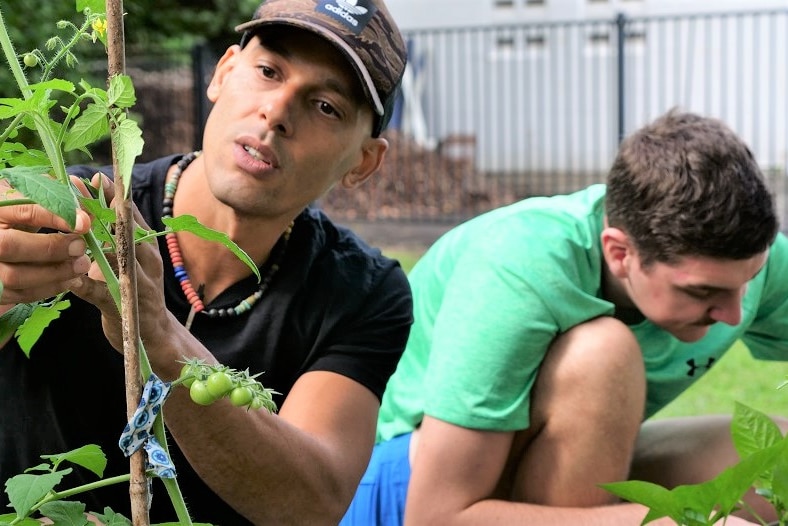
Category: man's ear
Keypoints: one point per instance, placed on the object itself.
(617, 250)
(372, 152)
(223, 68)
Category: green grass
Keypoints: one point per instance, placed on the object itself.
(737, 377)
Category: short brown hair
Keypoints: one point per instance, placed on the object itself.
(686, 185)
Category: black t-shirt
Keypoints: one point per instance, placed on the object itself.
(335, 304)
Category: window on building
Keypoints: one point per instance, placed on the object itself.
(504, 4)
(534, 2)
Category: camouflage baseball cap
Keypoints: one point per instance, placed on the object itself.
(363, 30)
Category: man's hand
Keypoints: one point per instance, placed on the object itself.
(34, 265)
(149, 279)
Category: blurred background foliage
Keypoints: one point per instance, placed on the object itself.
(150, 26)
(158, 35)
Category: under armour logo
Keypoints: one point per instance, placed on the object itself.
(693, 367)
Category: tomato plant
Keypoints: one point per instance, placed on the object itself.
(86, 115)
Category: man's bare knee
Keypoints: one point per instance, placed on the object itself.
(597, 362)
(586, 411)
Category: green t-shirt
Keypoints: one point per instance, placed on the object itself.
(491, 294)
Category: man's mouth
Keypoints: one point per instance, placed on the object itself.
(256, 154)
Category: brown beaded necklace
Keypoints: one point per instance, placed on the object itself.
(195, 296)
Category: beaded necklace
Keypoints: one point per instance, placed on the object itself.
(195, 296)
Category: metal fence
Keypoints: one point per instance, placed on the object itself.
(490, 115)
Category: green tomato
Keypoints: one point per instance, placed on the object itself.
(219, 383)
(30, 60)
(256, 403)
(241, 396)
(186, 370)
(200, 394)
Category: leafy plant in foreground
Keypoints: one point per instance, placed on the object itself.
(764, 466)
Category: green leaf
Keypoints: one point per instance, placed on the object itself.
(89, 457)
(110, 518)
(5, 520)
(25, 490)
(13, 318)
(30, 331)
(35, 183)
(752, 430)
(95, 6)
(779, 481)
(121, 92)
(103, 218)
(88, 128)
(65, 513)
(54, 84)
(127, 138)
(659, 500)
(189, 223)
(12, 107)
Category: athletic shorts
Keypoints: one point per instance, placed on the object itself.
(380, 497)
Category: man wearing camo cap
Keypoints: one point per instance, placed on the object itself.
(299, 107)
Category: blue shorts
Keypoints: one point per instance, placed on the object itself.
(380, 497)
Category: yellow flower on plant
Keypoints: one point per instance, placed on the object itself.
(100, 26)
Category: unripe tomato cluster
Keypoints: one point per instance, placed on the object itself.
(209, 383)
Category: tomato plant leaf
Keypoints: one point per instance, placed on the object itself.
(65, 512)
(25, 490)
(127, 137)
(54, 84)
(6, 520)
(95, 6)
(11, 320)
(88, 128)
(34, 183)
(121, 92)
(110, 518)
(42, 315)
(89, 457)
(189, 223)
(11, 107)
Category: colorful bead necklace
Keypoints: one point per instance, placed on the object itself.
(195, 296)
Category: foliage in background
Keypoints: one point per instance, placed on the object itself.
(172, 26)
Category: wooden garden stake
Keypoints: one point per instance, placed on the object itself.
(124, 236)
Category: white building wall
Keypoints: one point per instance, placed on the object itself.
(423, 14)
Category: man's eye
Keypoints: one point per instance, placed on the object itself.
(327, 108)
(266, 71)
(698, 294)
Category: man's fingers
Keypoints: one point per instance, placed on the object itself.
(100, 180)
(31, 217)
(18, 246)
(95, 292)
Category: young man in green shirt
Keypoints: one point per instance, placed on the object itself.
(547, 332)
